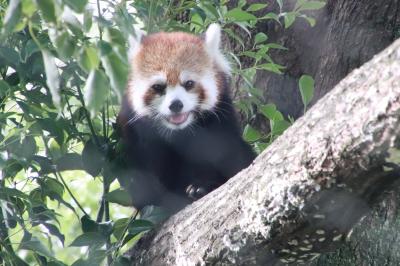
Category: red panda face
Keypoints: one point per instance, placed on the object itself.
(174, 76)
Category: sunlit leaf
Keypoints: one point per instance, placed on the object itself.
(28, 7)
(117, 71)
(12, 16)
(65, 45)
(52, 77)
(76, 5)
(89, 58)
(96, 91)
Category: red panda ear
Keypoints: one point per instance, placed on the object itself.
(213, 37)
(135, 41)
(212, 42)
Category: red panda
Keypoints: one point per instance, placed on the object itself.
(179, 126)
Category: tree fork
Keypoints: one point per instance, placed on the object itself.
(303, 194)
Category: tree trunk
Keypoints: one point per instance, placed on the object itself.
(347, 34)
(305, 192)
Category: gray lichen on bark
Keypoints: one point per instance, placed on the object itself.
(304, 193)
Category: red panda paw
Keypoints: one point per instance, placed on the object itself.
(195, 192)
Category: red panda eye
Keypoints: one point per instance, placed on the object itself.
(189, 84)
(159, 88)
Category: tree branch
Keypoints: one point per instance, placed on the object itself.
(304, 193)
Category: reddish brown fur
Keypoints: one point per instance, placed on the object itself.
(200, 91)
(171, 53)
(149, 96)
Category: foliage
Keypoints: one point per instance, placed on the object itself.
(63, 71)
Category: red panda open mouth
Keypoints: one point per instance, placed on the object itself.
(178, 119)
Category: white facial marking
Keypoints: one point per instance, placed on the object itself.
(189, 100)
(138, 87)
(209, 84)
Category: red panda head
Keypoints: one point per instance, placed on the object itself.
(175, 76)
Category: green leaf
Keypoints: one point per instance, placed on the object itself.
(65, 45)
(87, 20)
(114, 36)
(28, 7)
(54, 128)
(76, 5)
(260, 147)
(69, 161)
(117, 71)
(96, 91)
(55, 231)
(250, 134)
(153, 214)
(279, 126)
(52, 77)
(239, 15)
(89, 239)
(310, 21)
(88, 58)
(256, 7)
(268, 110)
(312, 5)
(88, 225)
(10, 56)
(275, 68)
(119, 196)
(276, 46)
(12, 192)
(36, 246)
(53, 186)
(11, 17)
(48, 10)
(289, 19)
(138, 226)
(4, 88)
(92, 158)
(280, 3)
(28, 147)
(28, 50)
(306, 85)
(260, 37)
(119, 227)
(271, 15)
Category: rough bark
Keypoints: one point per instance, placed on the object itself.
(347, 34)
(304, 193)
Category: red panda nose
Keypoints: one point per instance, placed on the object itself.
(176, 106)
